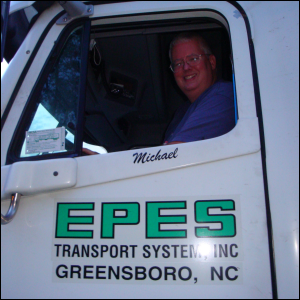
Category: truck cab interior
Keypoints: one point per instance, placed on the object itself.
(131, 93)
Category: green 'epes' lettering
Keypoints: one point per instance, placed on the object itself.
(63, 220)
(227, 221)
(118, 214)
(154, 219)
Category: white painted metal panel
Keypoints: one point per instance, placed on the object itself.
(276, 42)
(18, 5)
(242, 174)
(29, 178)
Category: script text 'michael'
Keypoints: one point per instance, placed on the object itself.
(148, 157)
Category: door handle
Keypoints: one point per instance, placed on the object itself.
(12, 210)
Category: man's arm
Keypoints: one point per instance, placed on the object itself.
(175, 142)
(88, 151)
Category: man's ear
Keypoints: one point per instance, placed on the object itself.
(213, 61)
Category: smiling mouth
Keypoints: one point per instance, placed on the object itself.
(189, 77)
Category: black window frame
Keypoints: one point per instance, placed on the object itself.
(18, 136)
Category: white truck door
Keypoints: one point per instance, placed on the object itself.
(178, 221)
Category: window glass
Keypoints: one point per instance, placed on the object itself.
(58, 102)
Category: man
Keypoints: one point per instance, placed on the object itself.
(210, 110)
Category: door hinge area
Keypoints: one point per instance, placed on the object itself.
(74, 10)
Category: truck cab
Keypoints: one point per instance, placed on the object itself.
(210, 218)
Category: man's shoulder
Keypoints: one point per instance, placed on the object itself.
(216, 93)
(222, 87)
(220, 91)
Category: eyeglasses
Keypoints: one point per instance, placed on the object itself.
(191, 60)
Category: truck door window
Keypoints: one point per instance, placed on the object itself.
(131, 92)
(57, 105)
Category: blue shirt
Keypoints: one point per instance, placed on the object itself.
(210, 115)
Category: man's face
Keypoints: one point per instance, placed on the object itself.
(193, 81)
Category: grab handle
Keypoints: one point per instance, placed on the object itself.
(14, 204)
